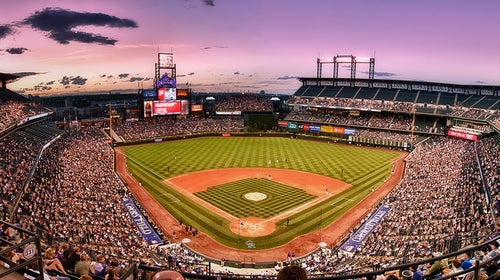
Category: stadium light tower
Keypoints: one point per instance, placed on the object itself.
(165, 63)
(345, 59)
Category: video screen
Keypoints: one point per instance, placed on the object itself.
(167, 94)
(149, 93)
(162, 108)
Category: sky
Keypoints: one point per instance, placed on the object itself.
(96, 46)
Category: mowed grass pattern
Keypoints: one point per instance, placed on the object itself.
(231, 198)
(364, 168)
(171, 159)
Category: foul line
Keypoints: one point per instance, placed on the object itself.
(201, 201)
(174, 200)
(307, 205)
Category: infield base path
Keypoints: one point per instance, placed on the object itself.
(318, 185)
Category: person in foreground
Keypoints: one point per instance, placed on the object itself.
(292, 272)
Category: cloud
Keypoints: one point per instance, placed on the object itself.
(236, 73)
(16, 50)
(50, 83)
(190, 3)
(67, 81)
(135, 79)
(123, 76)
(42, 88)
(59, 25)
(25, 74)
(214, 47)
(479, 82)
(184, 75)
(210, 3)
(5, 30)
(79, 81)
(286, 77)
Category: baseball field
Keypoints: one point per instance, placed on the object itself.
(257, 193)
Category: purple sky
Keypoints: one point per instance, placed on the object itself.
(243, 45)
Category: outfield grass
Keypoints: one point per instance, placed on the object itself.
(364, 168)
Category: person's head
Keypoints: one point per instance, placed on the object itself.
(391, 277)
(84, 257)
(292, 272)
(112, 273)
(114, 262)
(100, 258)
(50, 253)
(86, 277)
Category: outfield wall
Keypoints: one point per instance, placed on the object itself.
(343, 139)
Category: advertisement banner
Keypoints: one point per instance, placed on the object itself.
(184, 107)
(352, 244)
(292, 125)
(182, 92)
(315, 128)
(282, 124)
(462, 135)
(149, 93)
(161, 108)
(145, 229)
(148, 109)
(325, 128)
(196, 107)
(306, 127)
(228, 113)
(338, 130)
(349, 131)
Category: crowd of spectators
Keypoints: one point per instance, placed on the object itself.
(440, 198)
(17, 153)
(76, 198)
(447, 205)
(472, 113)
(489, 154)
(243, 102)
(395, 106)
(162, 127)
(384, 134)
(496, 120)
(383, 105)
(372, 120)
(13, 112)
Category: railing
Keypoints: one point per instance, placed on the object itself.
(402, 269)
(31, 249)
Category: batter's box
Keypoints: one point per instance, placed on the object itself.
(170, 196)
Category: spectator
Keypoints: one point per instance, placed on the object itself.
(292, 272)
(83, 266)
(53, 265)
(99, 265)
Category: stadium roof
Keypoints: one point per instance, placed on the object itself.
(493, 90)
(8, 77)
